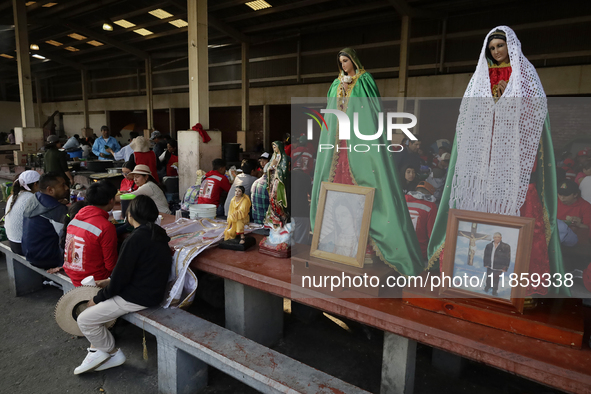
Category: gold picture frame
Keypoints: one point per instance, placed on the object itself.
(342, 223)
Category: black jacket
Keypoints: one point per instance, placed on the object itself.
(502, 256)
(142, 270)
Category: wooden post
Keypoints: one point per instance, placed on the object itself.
(24, 63)
(403, 68)
(245, 88)
(84, 76)
(149, 96)
(266, 121)
(198, 63)
(442, 53)
(39, 102)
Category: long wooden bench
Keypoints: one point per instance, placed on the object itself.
(187, 345)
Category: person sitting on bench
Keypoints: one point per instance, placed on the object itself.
(138, 282)
(42, 223)
(24, 188)
(91, 240)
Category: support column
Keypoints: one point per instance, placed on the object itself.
(86, 131)
(198, 63)
(39, 102)
(398, 364)
(24, 63)
(403, 68)
(21, 279)
(253, 313)
(178, 371)
(172, 123)
(149, 96)
(245, 89)
(298, 62)
(442, 53)
(266, 127)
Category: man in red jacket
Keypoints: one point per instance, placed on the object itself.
(423, 210)
(91, 240)
(212, 186)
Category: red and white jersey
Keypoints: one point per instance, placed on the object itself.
(422, 214)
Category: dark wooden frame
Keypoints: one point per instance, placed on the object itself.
(522, 256)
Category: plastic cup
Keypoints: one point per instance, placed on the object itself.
(117, 215)
(88, 281)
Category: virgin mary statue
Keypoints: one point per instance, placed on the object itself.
(502, 160)
(391, 232)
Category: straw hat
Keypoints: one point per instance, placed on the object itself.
(71, 305)
(140, 144)
(141, 169)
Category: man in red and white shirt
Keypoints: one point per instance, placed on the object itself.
(212, 186)
(571, 208)
(91, 240)
(423, 211)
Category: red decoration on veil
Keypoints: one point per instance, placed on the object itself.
(202, 133)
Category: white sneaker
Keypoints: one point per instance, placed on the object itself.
(116, 360)
(93, 359)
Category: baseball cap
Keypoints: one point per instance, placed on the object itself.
(445, 156)
(427, 186)
(53, 138)
(568, 187)
(265, 155)
(155, 134)
(583, 152)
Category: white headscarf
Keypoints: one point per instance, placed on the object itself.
(497, 143)
(28, 177)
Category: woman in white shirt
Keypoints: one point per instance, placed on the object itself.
(142, 176)
(23, 188)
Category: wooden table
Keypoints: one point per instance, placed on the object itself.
(255, 284)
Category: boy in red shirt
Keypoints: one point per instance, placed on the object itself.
(91, 240)
(575, 211)
(213, 184)
(423, 211)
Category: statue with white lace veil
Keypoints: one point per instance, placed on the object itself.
(502, 160)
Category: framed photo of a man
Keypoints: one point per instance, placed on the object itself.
(342, 224)
(490, 254)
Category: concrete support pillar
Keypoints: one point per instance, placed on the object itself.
(253, 313)
(198, 63)
(149, 96)
(442, 52)
(84, 79)
(25, 83)
(449, 363)
(172, 123)
(21, 279)
(178, 371)
(245, 89)
(398, 364)
(298, 62)
(39, 103)
(403, 68)
(195, 155)
(266, 128)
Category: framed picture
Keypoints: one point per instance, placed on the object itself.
(484, 250)
(342, 223)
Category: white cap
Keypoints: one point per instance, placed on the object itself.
(265, 155)
(28, 177)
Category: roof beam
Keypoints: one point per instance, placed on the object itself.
(402, 7)
(273, 10)
(58, 59)
(344, 11)
(227, 29)
(103, 38)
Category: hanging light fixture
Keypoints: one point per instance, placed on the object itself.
(108, 25)
(34, 47)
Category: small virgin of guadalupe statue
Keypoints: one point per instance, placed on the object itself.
(278, 218)
(238, 217)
